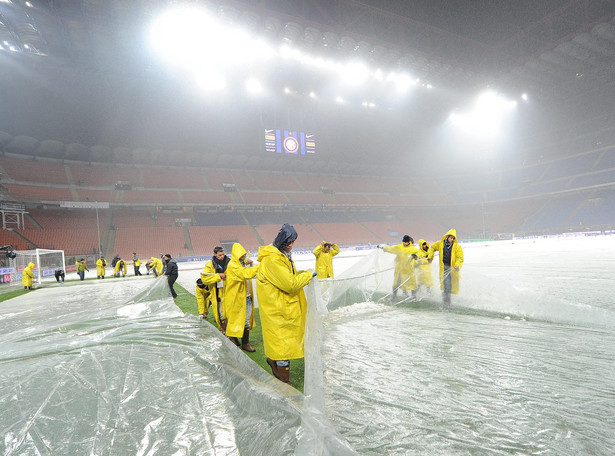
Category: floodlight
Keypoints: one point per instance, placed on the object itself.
(354, 73)
(312, 95)
(339, 99)
(286, 90)
(524, 97)
(253, 86)
(211, 82)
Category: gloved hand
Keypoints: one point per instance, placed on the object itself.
(314, 274)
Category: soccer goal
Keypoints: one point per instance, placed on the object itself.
(46, 263)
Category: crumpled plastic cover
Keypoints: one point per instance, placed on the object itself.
(521, 363)
(96, 370)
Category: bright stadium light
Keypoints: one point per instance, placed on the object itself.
(487, 117)
(211, 82)
(189, 36)
(354, 73)
(339, 99)
(524, 97)
(253, 86)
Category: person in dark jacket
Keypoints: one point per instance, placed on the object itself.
(60, 275)
(171, 271)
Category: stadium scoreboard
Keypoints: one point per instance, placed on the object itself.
(290, 142)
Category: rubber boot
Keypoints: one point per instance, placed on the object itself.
(279, 372)
(446, 298)
(223, 326)
(274, 367)
(284, 373)
(235, 341)
(245, 342)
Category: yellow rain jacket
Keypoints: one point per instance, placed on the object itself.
(79, 266)
(119, 264)
(456, 260)
(324, 260)
(282, 304)
(157, 265)
(136, 261)
(425, 276)
(235, 296)
(405, 274)
(27, 276)
(101, 264)
(210, 278)
(202, 299)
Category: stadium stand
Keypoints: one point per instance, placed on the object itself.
(35, 193)
(205, 238)
(150, 241)
(22, 170)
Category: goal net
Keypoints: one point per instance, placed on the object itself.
(46, 263)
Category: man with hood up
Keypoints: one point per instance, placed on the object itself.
(172, 272)
(451, 260)
(405, 275)
(27, 276)
(213, 277)
(425, 276)
(238, 302)
(101, 264)
(282, 303)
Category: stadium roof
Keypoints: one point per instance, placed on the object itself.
(560, 51)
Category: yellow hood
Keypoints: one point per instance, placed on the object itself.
(31, 265)
(266, 250)
(452, 231)
(237, 252)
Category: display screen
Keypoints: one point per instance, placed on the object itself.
(289, 142)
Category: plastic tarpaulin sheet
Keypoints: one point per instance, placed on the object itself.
(521, 363)
(96, 370)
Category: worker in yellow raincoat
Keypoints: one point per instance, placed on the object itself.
(213, 277)
(406, 255)
(451, 260)
(27, 276)
(324, 254)
(425, 277)
(282, 303)
(120, 267)
(238, 295)
(101, 265)
(202, 298)
(156, 266)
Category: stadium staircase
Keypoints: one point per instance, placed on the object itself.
(256, 234)
(188, 240)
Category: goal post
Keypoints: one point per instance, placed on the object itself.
(46, 263)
